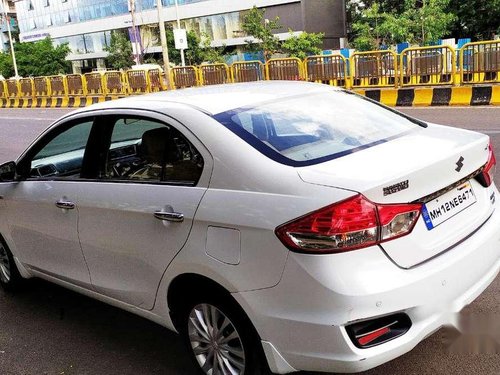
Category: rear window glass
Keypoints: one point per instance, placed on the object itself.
(314, 128)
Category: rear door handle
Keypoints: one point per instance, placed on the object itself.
(176, 217)
(65, 205)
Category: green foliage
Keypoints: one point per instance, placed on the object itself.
(198, 51)
(429, 22)
(479, 19)
(376, 23)
(6, 66)
(303, 45)
(255, 25)
(211, 54)
(120, 52)
(36, 59)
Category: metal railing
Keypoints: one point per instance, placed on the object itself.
(214, 74)
(288, 69)
(374, 69)
(182, 77)
(474, 63)
(480, 62)
(247, 71)
(329, 69)
(434, 65)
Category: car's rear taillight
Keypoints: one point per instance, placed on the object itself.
(488, 172)
(348, 225)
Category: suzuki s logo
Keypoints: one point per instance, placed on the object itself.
(460, 164)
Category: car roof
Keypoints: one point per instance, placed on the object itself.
(218, 98)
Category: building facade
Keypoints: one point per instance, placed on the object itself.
(7, 19)
(86, 25)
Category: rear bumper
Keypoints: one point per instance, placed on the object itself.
(304, 316)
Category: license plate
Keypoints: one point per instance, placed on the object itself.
(448, 205)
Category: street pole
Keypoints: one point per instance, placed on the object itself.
(7, 21)
(163, 39)
(137, 44)
(183, 62)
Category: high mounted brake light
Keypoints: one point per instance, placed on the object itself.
(348, 225)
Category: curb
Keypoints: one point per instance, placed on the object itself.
(435, 96)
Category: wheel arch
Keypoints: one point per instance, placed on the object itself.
(186, 287)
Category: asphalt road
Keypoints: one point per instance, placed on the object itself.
(49, 330)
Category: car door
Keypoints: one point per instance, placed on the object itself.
(42, 210)
(138, 214)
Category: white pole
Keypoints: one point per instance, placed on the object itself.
(163, 39)
(7, 21)
(183, 62)
(137, 44)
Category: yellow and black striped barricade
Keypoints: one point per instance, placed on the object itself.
(434, 65)
(3, 89)
(115, 83)
(95, 83)
(328, 69)
(214, 74)
(42, 87)
(138, 81)
(12, 88)
(76, 85)
(156, 81)
(289, 69)
(480, 62)
(58, 86)
(186, 76)
(76, 89)
(247, 71)
(374, 69)
(26, 88)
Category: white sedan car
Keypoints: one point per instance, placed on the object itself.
(275, 225)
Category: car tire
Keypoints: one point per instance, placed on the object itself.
(10, 279)
(221, 339)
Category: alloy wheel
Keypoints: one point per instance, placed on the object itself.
(215, 341)
(4, 265)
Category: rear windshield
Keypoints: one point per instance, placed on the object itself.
(306, 130)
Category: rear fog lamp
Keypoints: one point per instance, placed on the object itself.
(375, 332)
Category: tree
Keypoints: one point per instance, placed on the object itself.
(419, 21)
(120, 52)
(36, 59)
(303, 45)
(6, 66)
(255, 25)
(477, 19)
(429, 20)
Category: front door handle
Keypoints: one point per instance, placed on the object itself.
(65, 205)
(176, 217)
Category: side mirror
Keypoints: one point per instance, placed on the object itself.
(8, 172)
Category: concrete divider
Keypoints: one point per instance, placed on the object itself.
(435, 96)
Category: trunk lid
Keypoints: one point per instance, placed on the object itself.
(409, 168)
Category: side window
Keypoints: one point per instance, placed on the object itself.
(63, 155)
(147, 150)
